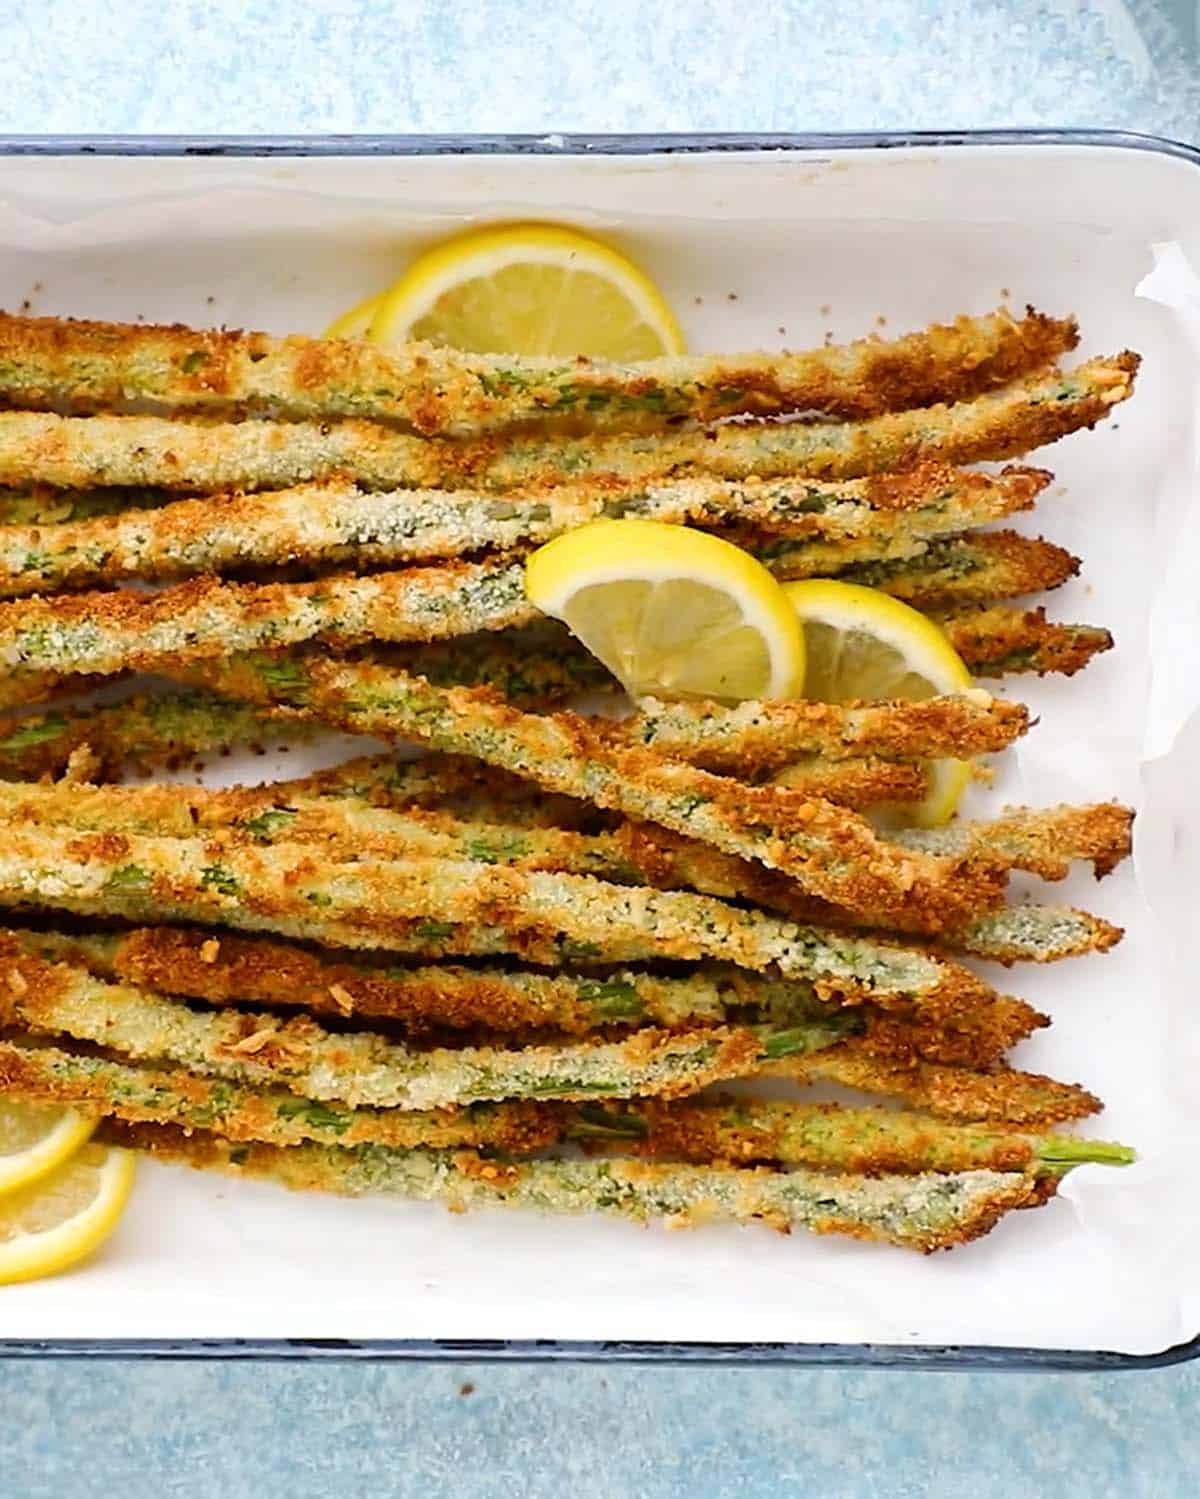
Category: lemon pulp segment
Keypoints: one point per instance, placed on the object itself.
(671, 612)
(529, 289)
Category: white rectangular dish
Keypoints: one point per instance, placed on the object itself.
(754, 248)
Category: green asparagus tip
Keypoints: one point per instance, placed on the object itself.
(1057, 1154)
(600, 1124)
(814, 1036)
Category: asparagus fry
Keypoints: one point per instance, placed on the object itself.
(261, 1049)
(759, 736)
(173, 1095)
(230, 969)
(1044, 842)
(42, 505)
(143, 731)
(227, 970)
(491, 795)
(1032, 934)
(827, 1137)
(530, 667)
(91, 365)
(450, 782)
(348, 828)
(434, 907)
(136, 733)
(336, 523)
(994, 642)
(745, 1131)
(526, 677)
(80, 452)
(979, 568)
(1001, 1096)
(924, 1212)
(113, 632)
(534, 667)
(842, 537)
(826, 848)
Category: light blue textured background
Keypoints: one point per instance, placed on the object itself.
(207, 1430)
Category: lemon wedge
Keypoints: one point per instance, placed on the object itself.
(35, 1138)
(528, 289)
(65, 1216)
(356, 321)
(672, 613)
(862, 644)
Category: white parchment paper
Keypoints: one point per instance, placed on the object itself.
(762, 251)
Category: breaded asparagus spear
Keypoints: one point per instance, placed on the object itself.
(1029, 933)
(825, 1137)
(42, 505)
(173, 1095)
(337, 524)
(347, 827)
(925, 1212)
(996, 641)
(225, 969)
(529, 667)
(137, 733)
(953, 572)
(80, 452)
(435, 907)
(51, 362)
(48, 362)
(827, 849)
(362, 1067)
(474, 790)
(1001, 1096)
(759, 736)
(1033, 934)
(455, 783)
(1042, 841)
(126, 631)
(888, 1060)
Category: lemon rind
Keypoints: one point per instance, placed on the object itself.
(22, 1168)
(608, 552)
(35, 1256)
(481, 252)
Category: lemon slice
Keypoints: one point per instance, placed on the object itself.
(356, 322)
(34, 1138)
(862, 644)
(672, 613)
(63, 1217)
(529, 289)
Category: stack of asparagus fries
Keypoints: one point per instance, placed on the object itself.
(419, 976)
